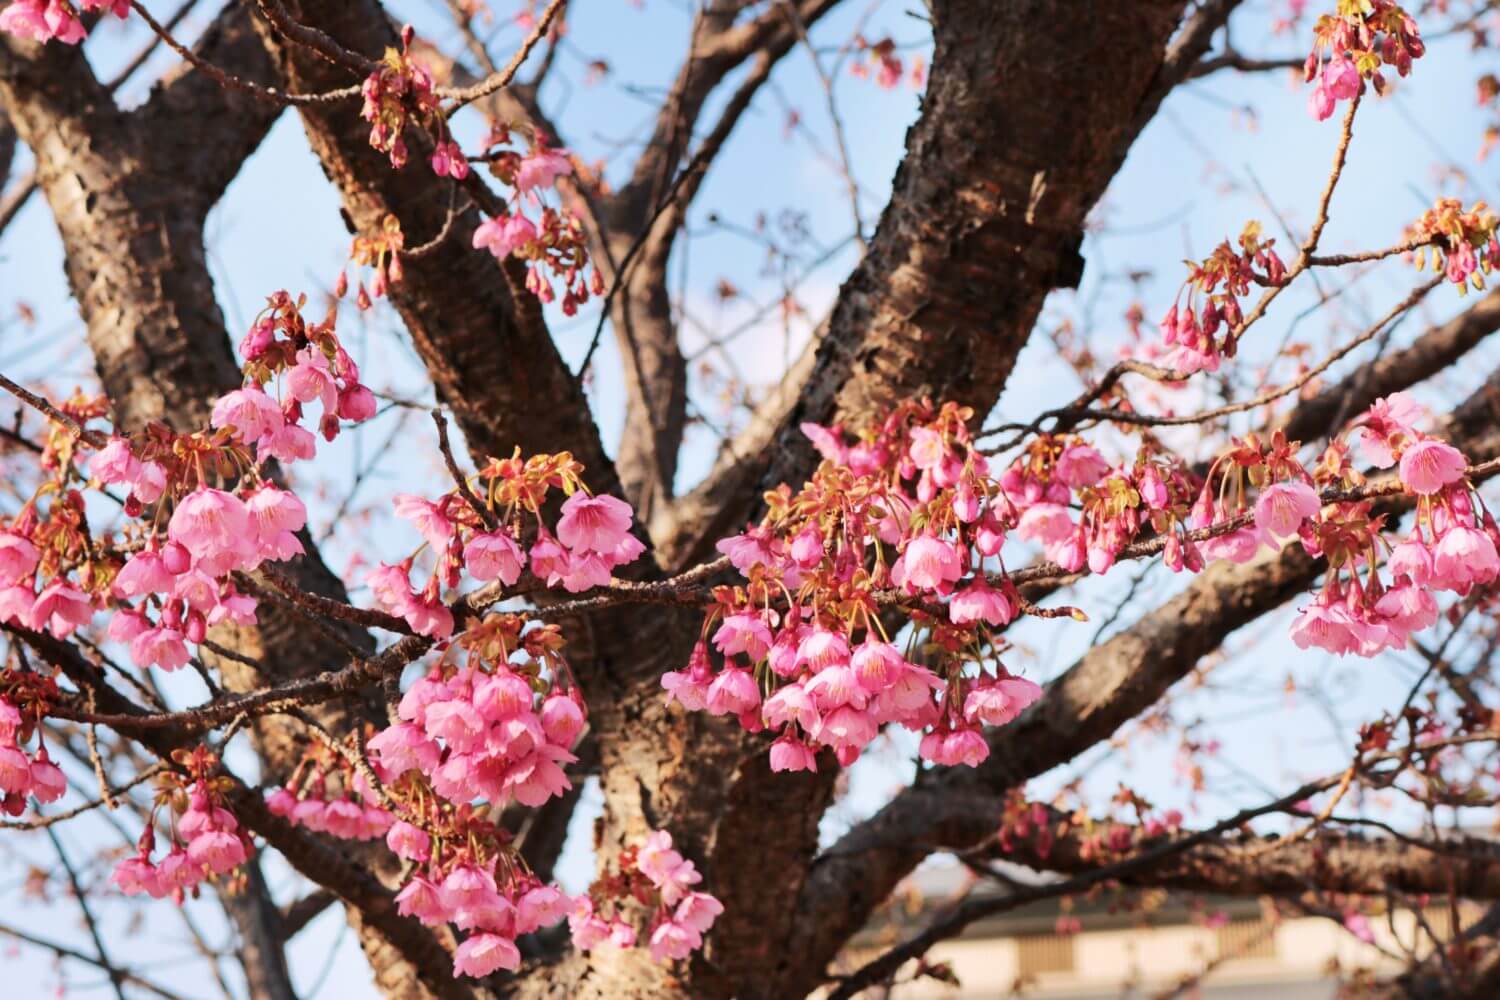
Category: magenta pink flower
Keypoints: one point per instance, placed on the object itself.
(249, 412)
(1341, 78)
(429, 617)
(421, 899)
(562, 720)
(48, 783)
(538, 777)
(114, 463)
(494, 556)
(931, 564)
(788, 754)
(549, 560)
(1045, 523)
(1320, 103)
(1464, 556)
(822, 647)
(356, 404)
(1282, 508)
(541, 906)
(1080, 465)
(834, 686)
(162, 647)
(430, 518)
(876, 664)
(790, 703)
(980, 602)
(15, 770)
(311, 379)
(672, 941)
(743, 633)
(288, 444)
(593, 524)
(1427, 466)
(143, 574)
(60, 608)
(210, 523)
(733, 692)
(542, 168)
(217, 850)
(997, 702)
(585, 571)
(1413, 560)
(18, 557)
(846, 729)
(391, 587)
(504, 234)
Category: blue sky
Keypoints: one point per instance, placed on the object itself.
(1194, 178)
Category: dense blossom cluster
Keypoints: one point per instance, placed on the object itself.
(898, 529)
(1351, 45)
(472, 737)
(327, 793)
(1191, 329)
(657, 878)
(202, 505)
(1464, 244)
(591, 537)
(206, 841)
(909, 508)
(1452, 546)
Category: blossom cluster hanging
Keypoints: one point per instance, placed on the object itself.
(472, 736)
(206, 840)
(1357, 40)
(24, 702)
(1191, 329)
(903, 529)
(659, 879)
(1464, 244)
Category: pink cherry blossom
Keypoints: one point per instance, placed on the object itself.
(593, 524)
(18, 557)
(931, 564)
(430, 518)
(1283, 506)
(60, 608)
(1427, 466)
(542, 168)
(504, 234)
(733, 692)
(210, 522)
(494, 556)
(161, 647)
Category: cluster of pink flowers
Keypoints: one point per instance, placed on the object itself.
(206, 842)
(1464, 243)
(468, 739)
(591, 539)
(1453, 545)
(1191, 328)
(480, 735)
(903, 521)
(398, 90)
(493, 904)
(659, 878)
(44, 20)
(60, 607)
(1356, 42)
(553, 246)
(888, 66)
(308, 801)
(22, 774)
(821, 671)
(186, 573)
